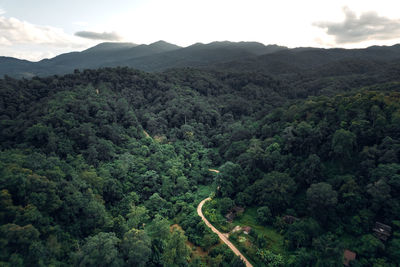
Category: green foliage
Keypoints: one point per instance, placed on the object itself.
(228, 179)
(329, 250)
(301, 233)
(343, 143)
(176, 252)
(321, 196)
(99, 250)
(270, 259)
(264, 215)
(225, 205)
(394, 250)
(274, 190)
(137, 216)
(136, 247)
(78, 176)
(370, 246)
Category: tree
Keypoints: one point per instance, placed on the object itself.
(243, 198)
(330, 251)
(137, 216)
(155, 203)
(99, 250)
(225, 204)
(158, 228)
(271, 259)
(176, 252)
(95, 216)
(136, 247)
(38, 134)
(343, 143)
(120, 226)
(275, 190)
(302, 257)
(310, 170)
(159, 232)
(229, 179)
(264, 215)
(18, 238)
(237, 262)
(394, 249)
(182, 184)
(369, 246)
(380, 193)
(321, 197)
(300, 233)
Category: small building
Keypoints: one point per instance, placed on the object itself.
(382, 231)
(348, 256)
(230, 216)
(246, 229)
(289, 219)
(235, 211)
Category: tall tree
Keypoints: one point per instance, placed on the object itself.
(321, 199)
(176, 252)
(99, 250)
(136, 247)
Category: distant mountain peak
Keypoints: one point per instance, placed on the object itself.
(108, 46)
(160, 42)
(165, 45)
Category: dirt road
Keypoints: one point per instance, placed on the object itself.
(223, 237)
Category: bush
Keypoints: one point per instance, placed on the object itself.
(271, 259)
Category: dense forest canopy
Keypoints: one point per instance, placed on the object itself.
(106, 167)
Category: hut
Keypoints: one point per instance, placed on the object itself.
(348, 256)
(289, 219)
(230, 216)
(235, 211)
(246, 229)
(382, 231)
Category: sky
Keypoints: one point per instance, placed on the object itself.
(39, 29)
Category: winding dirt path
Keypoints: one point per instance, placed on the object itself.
(223, 237)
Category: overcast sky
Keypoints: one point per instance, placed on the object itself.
(44, 28)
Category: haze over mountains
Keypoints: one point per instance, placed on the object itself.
(234, 56)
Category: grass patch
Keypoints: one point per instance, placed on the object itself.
(274, 238)
(203, 191)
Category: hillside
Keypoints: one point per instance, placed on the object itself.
(96, 165)
(311, 59)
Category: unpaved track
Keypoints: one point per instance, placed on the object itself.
(223, 237)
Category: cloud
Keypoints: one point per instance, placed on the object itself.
(369, 26)
(2, 11)
(25, 40)
(108, 36)
(17, 32)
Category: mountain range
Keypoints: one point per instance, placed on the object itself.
(233, 56)
(157, 56)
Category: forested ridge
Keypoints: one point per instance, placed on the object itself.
(82, 184)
